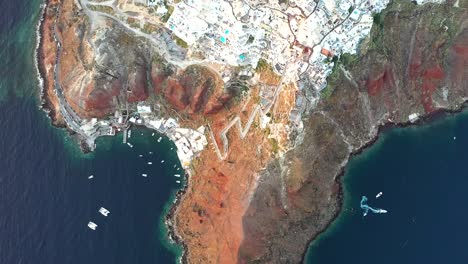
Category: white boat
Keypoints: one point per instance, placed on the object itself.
(177, 181)
(92, 225)
(90, 176)
(130, 145)
(104, 211)
(379, 194)
(152, 135)
(162, 161)
(129, 134)
(150, 152)
(144, 175)
(178, 168)
(177, 175)
(141, 156)
(149, 162)
(159, 139)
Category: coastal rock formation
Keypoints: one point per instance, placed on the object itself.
(102, 69)
(413, 62)
(258, 206)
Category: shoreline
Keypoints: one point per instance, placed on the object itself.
(169, 221)
(45, 105)
(169, 218)
(382, 128)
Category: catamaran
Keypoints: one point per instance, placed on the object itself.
(92, 225)
(104, 211)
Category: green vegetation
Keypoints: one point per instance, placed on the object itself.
(345, 60)
(149, 28)
(377, 34)
(378, 20)
(326, 92)
(263, 65)
(170, 10)
(180, 42)
(103, 9)
(274, 145)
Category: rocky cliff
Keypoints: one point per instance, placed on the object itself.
(257, 206)
(415, 61)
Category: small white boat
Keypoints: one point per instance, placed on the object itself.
(92, 225)
(172, 148)
(141, 156)
(150, 152)
(178, 168)
(159, 139)
(144, 175)
(104, 211)
(152, 135)
(177, 175)
(177, 181)
(379, 194)
(149, 162)
(90, 176)
(130, 145)
(175, 165)
(129, 134)
(162, 161)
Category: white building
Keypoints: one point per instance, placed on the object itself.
(144, 109)
(413, 117)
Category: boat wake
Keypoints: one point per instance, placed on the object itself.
(366, 207)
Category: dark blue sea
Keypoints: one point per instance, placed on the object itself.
(423, 175)
(46, 198)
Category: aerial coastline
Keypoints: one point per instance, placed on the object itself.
(388, 125)
(49, 104)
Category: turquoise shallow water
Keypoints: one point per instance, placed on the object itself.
(422, 172)
(46, 198)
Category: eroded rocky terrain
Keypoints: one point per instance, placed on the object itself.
(258, 206)
(415, 62)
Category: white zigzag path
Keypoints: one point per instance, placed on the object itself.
(237, 121)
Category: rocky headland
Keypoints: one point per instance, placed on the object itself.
(279, 187)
